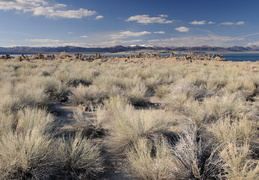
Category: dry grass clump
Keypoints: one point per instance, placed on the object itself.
(128, 125)
(75, 73)
(81, 159)
(196, 78)
(238, 165)
(27, 156)
(183, 94)
(6, 123)
(196, 112)
(51, 86)
(188, 158)
(176, 102)
(152, 160)
(89, 96)
(26, 151)
(233, 129)
(161, 91)
(188, 151)
(88, 126)
(228, 105)
(34, 98)
(19, 96)
(108, 80)
(137, 93)
(243, 85)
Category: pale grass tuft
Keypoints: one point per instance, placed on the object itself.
(237, 163)
(88, 96)
(196, 78)
(34, 98)
(88, 126)
(228, 105)
(25, 156)
(137, 93)
(231, 129)
(7, 123)
(106, 81)
(51, 86)
(26, 150)
(216, 82)
(195, 111)
(162, 91)
(81, 158)
(244, 84)
(10, 104)
(196, 158)
(128, 125)
(187, 150)
(151, 160)
(29, 118)
(182, 94)
(176, 102)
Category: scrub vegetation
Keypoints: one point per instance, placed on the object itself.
(147, 120)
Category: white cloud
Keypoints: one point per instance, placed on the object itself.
(70, 32)
(253, 43)
(227, 23)
(50, 12)
(99, 17)
(182, 29)
(198, 22)
(21, 4)
(43, 40)
(195, 41)
(211, 22)
(49, 44)
(146, 19)
(240, 23)
(251, 34)
(84, 36)
(117, 42)
(232, 23)
(159, 32)
(42, 8)
(163, 15)
(126, 34)
(60, 5)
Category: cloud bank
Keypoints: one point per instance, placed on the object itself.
(232, 23)
(43, 40)
(182, 29)
(198, 22)
(43, 8)
(146, 19)
(126, 34)
(195, 41)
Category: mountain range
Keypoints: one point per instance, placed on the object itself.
(117, 49)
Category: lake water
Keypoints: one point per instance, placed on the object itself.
(228, 56)
(241, 56)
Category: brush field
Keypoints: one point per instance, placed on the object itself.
(145, 120)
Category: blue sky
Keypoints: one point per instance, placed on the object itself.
(105, 23)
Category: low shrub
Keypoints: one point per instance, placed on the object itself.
(232, 129)
(81, 158)
(90, 127)
(151, 159)
(128, 125)
(88, 96)
(228, 105)
(238, 165)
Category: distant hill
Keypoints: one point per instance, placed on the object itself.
(116, 49)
